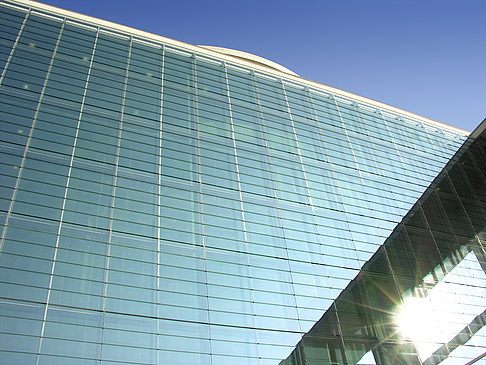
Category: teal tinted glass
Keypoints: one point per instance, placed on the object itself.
(161, 205)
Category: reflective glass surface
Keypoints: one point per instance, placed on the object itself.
(421, 298)
(162, 206)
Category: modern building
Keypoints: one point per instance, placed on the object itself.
(421, 298)
(163, 203)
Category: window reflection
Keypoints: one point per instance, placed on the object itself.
(433, 317)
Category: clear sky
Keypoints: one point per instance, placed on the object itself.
(424, 56)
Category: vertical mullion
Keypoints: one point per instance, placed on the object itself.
(347, 137)
(338, 196)
(201, 197)
(275, 192)
(457, 196)
(233, 137)
(319, 127)
(198, 148)
(113, 196)
(297, 144)
(159, 201)
(392, 138)
(14, 47)
(340, 337)
(329, 160)
(391, 135)
(234, 150)
(44, 318)
(431, 142)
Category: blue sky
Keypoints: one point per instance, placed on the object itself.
(424, 56)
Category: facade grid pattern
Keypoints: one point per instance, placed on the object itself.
(159, 205)
(421, 298)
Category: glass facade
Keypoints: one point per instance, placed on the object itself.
(421, 298)
(162, 204)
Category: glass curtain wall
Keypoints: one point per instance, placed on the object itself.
(421, 298)
(159, 205)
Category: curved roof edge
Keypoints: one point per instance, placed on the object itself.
(250, 57)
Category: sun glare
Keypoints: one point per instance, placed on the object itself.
(435, 319)
(417, 319)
